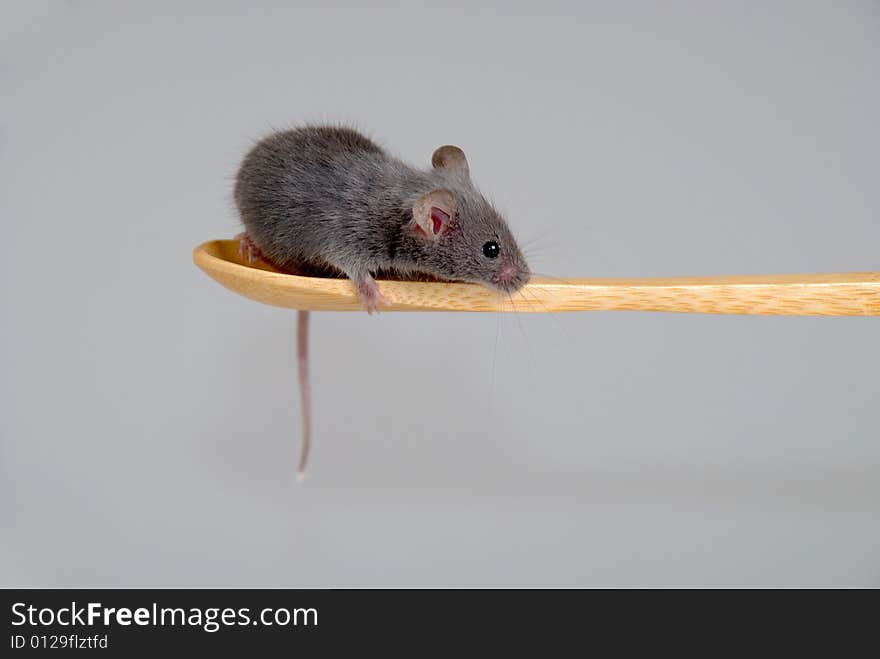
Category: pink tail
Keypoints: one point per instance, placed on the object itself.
(302, 353)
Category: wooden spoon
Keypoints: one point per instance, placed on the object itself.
(837, 294)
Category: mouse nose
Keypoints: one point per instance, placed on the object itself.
(505, 273)
(508, 277)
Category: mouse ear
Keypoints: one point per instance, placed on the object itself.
(451, 158)
(433, 212)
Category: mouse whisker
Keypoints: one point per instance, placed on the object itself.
(516, 314)
(530, 296)
(494, 357)
(541, 236)
(554, 278)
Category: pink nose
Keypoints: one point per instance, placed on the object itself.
(505, 274)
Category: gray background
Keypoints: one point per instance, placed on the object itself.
(150, 417)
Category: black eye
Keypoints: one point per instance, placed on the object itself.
(491, 250)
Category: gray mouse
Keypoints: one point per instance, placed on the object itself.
(326, 199)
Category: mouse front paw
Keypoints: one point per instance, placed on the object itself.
(370, 296)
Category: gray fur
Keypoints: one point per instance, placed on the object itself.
(327, 197)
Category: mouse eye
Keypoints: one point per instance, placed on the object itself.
(491, 250)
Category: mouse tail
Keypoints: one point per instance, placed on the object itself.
(302, 355)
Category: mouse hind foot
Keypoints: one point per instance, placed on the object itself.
(247, 246)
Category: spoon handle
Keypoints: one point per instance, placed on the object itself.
(837, 294)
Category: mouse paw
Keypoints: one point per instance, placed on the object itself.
(370, 297)
(247, 246)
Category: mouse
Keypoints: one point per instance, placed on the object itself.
(327, 199)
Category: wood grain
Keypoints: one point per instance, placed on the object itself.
(838, 294)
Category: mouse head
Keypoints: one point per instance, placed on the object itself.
(460, 235)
